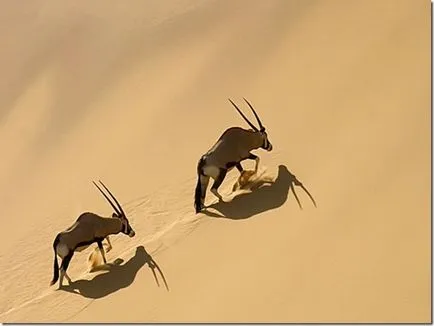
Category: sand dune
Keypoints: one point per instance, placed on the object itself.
(134, 92)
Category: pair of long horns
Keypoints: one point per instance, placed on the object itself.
(261, 127)
(118, 208)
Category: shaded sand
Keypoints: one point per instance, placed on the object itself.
(133, 93)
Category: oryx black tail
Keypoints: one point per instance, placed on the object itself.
(198, 192)
(56, 264)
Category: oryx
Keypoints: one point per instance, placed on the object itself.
(233, 146)
(87, 229)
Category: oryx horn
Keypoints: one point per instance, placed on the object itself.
(117, 209)
(256, 115)
(245, 118)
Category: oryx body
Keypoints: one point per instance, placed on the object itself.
(88, 228)
(233, 147)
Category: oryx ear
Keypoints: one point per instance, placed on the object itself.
(115, 215)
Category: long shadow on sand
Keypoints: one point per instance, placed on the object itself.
(117, 277)
(264, 196)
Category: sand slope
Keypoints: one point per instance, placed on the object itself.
(134, 92)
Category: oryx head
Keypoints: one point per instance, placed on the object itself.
(265, 142)
(119, 212)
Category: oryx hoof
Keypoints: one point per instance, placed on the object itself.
(244, 179)
(199, 209)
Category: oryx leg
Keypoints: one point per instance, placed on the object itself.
(109, 244)
(217, 182)
(201, 191)
(240, 169)
(204, 182)
(256, 159)
(64, 267)
(101, 249)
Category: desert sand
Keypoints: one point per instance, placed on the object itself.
(134, 92)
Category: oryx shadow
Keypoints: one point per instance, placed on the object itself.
(116, 277)
(265, 196)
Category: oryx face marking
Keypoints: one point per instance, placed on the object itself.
(266, 144)
(127, 229)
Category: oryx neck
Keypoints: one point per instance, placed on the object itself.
(112, 225)
(256, 139)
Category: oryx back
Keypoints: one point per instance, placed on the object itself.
(233, 145)
(82, 233)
